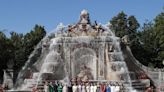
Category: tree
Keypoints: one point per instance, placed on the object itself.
(18, 49)
(5, 52)
(124, 25)
(159, 37)
(147, 39)
(152, 37)
(33, 38)
(119, 24)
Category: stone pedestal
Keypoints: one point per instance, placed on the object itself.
(8, 78)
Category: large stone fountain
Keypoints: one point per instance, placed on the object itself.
(85, 50)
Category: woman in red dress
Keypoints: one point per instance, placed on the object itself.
(102, 87)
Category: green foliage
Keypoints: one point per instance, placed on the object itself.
(159, 36)
(31, 39)
(119, 24)
(5, 51)
(18, 47)
(146, 37)
(124, 25)
(28, 43)
(152, 38)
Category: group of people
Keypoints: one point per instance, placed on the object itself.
(150, 89)
(84, 87)
(142, 75)
(1, 88)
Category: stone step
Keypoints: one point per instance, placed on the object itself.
(139, 85)
(135, 84)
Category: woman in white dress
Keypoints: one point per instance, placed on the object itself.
(91, 88)
(83, 88)
(74, 88)
(112, 87)
(46, 88)
(79, 88)
(117, 88)
(64, 88)
(94, 87)
(88, 88)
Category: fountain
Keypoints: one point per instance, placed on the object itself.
(82, 50)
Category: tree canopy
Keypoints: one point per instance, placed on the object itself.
(124, 25)
(152, 36)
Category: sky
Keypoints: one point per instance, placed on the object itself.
(22, 15)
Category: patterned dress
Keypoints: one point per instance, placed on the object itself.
(51, 88)
(60, 88)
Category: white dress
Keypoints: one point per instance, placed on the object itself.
(79, 88)
(64, 89)
(112, 88)
(83, 89)
(74, 88)
(46, 88)
(117, 88)
(94, 88)
(88, 88)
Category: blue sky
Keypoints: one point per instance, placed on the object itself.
(22, 15)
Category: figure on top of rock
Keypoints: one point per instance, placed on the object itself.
(84, 17)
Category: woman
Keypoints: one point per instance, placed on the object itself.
(94, 88)
(60, 88)
(91, 88)
(98, 88)
(51, 87)
(108, 89)
(88, 88)
(83, 88)
(74, 88)
(46, 88)
(102, 88)
(79, 88)
(65, 88)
